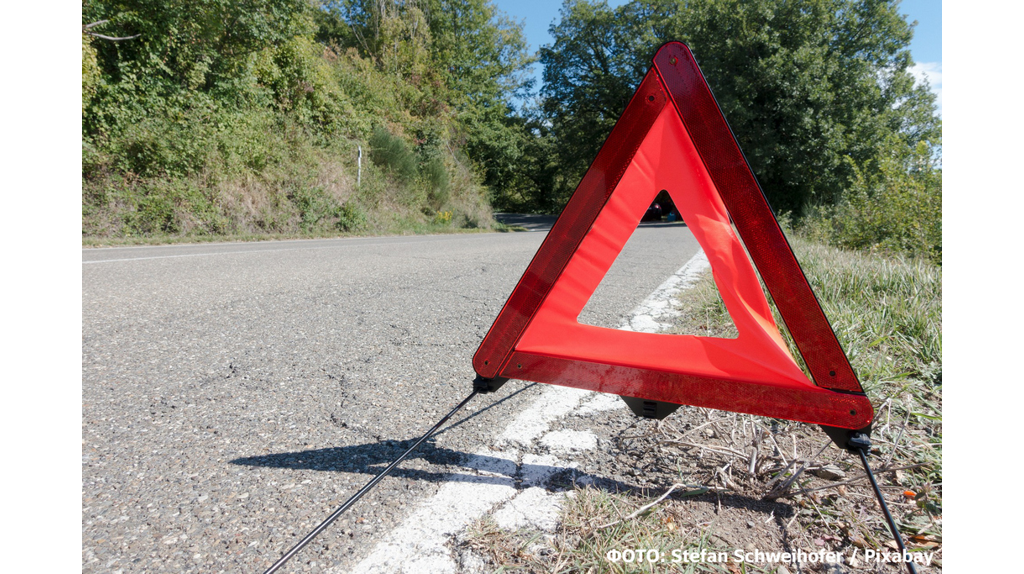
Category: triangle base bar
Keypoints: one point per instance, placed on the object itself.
(810, 405)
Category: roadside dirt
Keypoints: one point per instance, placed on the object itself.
(829, 507)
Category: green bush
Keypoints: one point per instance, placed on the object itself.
(897, 211)
(393, 154)
(350, 217)
(435, 176)
(161, 146)
(157, 206)
(315, 206)
(320, 212)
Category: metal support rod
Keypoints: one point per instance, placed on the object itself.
(359, 167)
(885, 511)
(348, 503)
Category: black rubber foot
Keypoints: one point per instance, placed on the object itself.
(484, 386)
(650, 409)
(850, 440)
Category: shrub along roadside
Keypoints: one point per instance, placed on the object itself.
(896, 209)
(265, 177)
(193, 129)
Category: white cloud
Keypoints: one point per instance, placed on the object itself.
(932, 71)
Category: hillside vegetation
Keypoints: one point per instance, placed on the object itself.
(214, 118)
(226, 118)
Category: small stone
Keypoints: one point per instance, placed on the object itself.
(750, 524)
(829, 472)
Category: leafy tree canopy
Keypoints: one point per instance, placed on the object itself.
(815, 90)
(448, 69)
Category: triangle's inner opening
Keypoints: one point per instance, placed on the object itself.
(563, 328)
(660, 282)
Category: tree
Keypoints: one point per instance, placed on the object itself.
(813, 89)
(466, 56)
(182, 54)
(176, 37)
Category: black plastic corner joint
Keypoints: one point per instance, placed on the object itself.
(860, 441)
(851, 440)
(483, 386)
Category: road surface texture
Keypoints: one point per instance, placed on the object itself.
(234, 394)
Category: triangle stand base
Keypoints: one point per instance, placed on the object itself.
(650, 409)
(848, 440)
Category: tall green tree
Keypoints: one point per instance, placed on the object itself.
(191, 43)
(183, 53)
(476, 50)
(467, 57)
(813, 89)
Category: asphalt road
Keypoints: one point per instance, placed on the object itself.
(234, 394)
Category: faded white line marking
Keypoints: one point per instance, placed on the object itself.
(658, 305)
(598, 403)
(568, 441)
(417, 545)
(534, 507)
(251, 251)
(420, 544)
(534, 421)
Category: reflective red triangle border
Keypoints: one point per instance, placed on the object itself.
(835, 398)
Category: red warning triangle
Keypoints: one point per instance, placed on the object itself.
(673, 136)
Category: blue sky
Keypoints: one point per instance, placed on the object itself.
(926, 47)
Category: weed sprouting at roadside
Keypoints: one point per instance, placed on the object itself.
(582, 545)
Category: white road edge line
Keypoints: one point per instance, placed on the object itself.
(421, 543)
(182, 255)
(248, 251)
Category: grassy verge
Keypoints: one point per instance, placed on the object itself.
(307, 191)
(743, 482)
(428, 229)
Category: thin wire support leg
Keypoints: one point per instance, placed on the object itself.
(885, 511)
(348, 503)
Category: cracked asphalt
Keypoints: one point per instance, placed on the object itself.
(235, 393)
